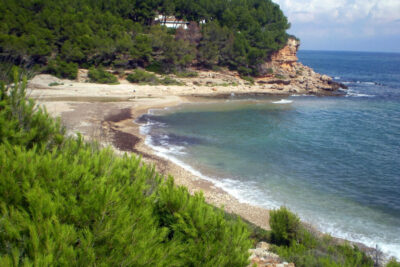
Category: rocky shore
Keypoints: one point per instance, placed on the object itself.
(284, 70)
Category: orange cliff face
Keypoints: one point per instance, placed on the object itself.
(286, 58)
(283, 70)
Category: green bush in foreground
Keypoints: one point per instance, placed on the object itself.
(294, 243)
(285, 226)
(64, 202)
(100, 75)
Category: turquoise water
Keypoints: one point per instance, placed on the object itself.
(335, 161)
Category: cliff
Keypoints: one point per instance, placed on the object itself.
(286, 58)
(283, 69)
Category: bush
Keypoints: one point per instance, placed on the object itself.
(169, 81)
(55, 84)
(187, 74)
(62, 69)
(248, 78)
(284, 226)
(141, 76)
(100, 75)
(22, 123)
(294, 243)
(155, 67)
(280, 76)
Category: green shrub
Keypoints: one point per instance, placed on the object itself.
(20, 124)
(141, 76)
(248, 79)
(62, 69)
(100, 75)
(169, 81)
(294, 243)
(280, 76)
(284, 226)
(55, 84)
(155, 67)
(187, 74)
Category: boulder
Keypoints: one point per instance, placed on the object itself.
(326, 78)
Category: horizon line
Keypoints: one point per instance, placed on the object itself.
(365, 51)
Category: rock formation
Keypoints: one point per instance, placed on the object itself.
(262, 257)
(283, 69)
(286, 58)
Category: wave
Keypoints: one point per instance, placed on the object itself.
(283, 101)
(358, 95)
(337, 78)
(391, 249)
(244, 192)
(351, 93)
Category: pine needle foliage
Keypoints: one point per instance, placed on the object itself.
(65, 202)
(296, 243)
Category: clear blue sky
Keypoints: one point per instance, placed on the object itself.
(355, 25)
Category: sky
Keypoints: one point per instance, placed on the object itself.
(352, 25)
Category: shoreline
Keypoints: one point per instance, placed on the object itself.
(106, 113)
(126, 127)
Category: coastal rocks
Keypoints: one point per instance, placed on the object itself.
(275, 81)
(283, 69)
(326, 78)
(262, 257)
(287, 56)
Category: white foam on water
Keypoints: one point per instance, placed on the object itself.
(304, 95)
(352, 93)
(337, 78)
(283, 101)
(244, 192)
(349, 94)
(391, 249)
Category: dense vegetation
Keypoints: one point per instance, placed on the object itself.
(63, 34)
(100, 75)
(64, 202)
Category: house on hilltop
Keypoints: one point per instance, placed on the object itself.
(171, 22)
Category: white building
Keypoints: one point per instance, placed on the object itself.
(171, 22)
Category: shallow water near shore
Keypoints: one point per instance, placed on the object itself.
(335, 161)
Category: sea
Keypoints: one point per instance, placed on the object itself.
(334, 161)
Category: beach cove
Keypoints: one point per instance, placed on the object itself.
(111, 113)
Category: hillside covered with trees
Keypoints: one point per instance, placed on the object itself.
(58, 36)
